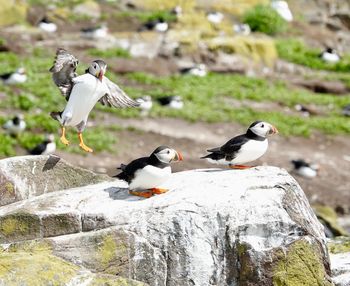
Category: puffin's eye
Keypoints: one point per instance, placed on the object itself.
(262, 125)
(168, 152)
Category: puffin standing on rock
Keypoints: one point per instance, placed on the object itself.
(83, 92)
(145, 174)
(244, 148)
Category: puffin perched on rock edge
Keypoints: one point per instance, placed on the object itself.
(244, 148)
(83, 92)
(145, 174)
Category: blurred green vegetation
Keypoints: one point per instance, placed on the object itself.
(145, 16)
(296, 51)
(110, 53)
(264, 19)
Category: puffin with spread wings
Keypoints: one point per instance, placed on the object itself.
(83, 92)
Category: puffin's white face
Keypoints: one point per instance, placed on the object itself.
(98, 69)
(50, 137)
(167, 155)
(21, 71)
(263, 129)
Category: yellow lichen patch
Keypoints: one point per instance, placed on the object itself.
(260, 49)
(12, 12)
(19, 226)
(301, 265)
(329, 216)
(107, 250)
(9, 188)
(33, 264)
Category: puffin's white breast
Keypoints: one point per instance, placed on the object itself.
(251, 151)
(149, 177)
(86, 91)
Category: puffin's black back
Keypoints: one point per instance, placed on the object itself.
(39, 149)
(128, 171)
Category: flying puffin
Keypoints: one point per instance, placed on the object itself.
(19, 76)
(83, 92)
(145, 174)
(46, 25)
(243, 148)
(196, 70)
(98, 32)
(330, 56)
(305, 169)
(15, 125)
(145, 104)
(173, 101)
(48, 146)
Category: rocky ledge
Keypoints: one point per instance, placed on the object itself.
(214, 227)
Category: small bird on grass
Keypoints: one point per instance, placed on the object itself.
(15, 125)
(146, 174)
(48, 146)
(215, 17)
(346, 110)
(244, 148)
(330, 55)
(46, 25)
(145, 104)
(83, 92)
(93, 33)
(19, 76)
(172, 101)
(199, 70)
(304, 169)
(158, 25)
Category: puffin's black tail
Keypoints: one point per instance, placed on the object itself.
(121, 176)
(56, 115)
(214, 156)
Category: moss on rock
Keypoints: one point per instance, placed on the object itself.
(300, 265)
(19, 226)
(328, 216)
(33, 264)
(339, 245)
(112, 254)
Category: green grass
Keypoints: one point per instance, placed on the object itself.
(110, 53)
(144, 16)
(263, 18)
(296, 51)
(206, 99)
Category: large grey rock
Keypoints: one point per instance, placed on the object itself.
(214, 227)
(29, 176)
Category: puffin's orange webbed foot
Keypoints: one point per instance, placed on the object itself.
(240, 167)
(158, 191)
(144, 194)
(63, 137)
(82, 144)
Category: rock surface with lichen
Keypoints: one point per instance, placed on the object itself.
(214, 227)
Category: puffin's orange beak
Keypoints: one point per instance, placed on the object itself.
(273, 130)
(178, 156)
(100, 75)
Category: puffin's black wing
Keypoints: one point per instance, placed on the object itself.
(165, 100)
(129, 170)
(228, 150)
(116, 96)
(39, 149)
(63, 71)
(5, 76)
